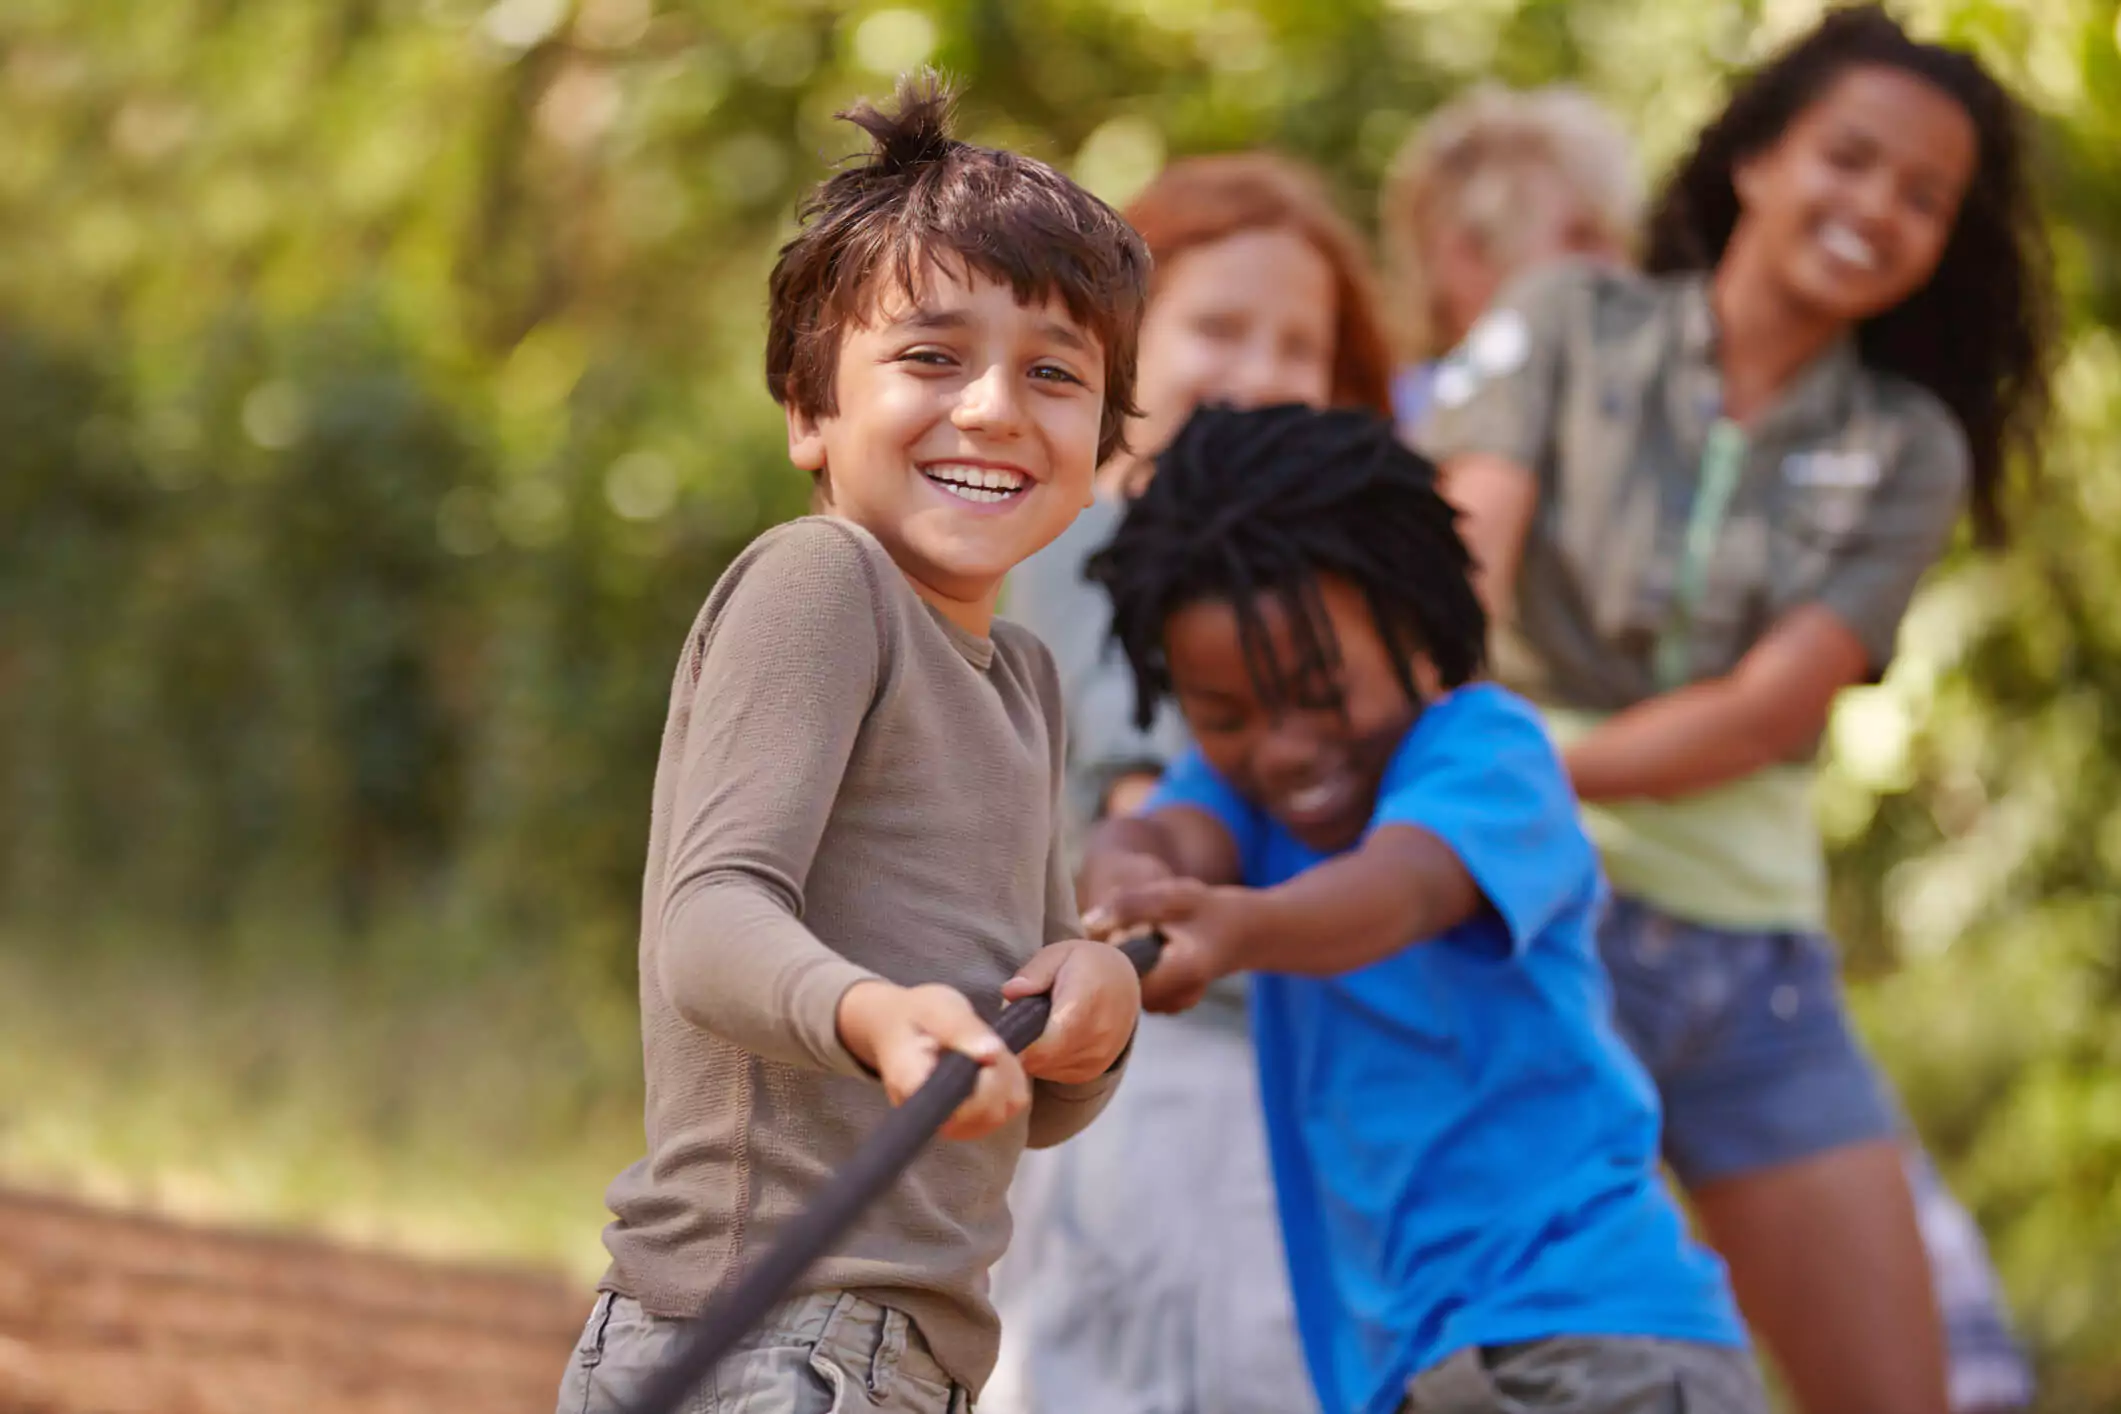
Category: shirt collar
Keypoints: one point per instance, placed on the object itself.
(1819, 394)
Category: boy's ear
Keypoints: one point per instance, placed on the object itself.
(806, 441)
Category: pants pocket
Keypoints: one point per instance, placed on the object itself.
(797, 1378)
(588, 1352)
(832, 1382)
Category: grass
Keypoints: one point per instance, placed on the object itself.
(466, 1113)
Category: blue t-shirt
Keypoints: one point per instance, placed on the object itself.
(1464, 1150)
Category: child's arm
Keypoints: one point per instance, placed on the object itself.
(781, 672)
(1173, 847)
(1474, 813)
(1774, 704)
(1076, 1065)
(1400, 885)
(1171, 840)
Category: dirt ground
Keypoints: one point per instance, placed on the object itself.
(109, 1313)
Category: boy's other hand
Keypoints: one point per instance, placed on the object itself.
(1203, 927)
(900, 1033)
(1096, 1000)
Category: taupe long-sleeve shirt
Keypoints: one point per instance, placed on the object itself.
(850, 787)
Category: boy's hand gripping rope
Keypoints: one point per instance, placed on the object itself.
(874, 1168)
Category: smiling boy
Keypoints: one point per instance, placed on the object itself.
(854, 855)
(1464, 1151)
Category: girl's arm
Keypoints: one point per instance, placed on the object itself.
(1768, 709)
(1774, 704)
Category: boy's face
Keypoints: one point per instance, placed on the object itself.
(1314, 764)
(966, 434)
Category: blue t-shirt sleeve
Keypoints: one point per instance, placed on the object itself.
(1192, 781)
(1479, 773)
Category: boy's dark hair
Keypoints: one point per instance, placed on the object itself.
(1266, 501)
(1981, 334)
(920, 197)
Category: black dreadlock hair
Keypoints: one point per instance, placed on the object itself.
(1264, 501)
(1981, 335)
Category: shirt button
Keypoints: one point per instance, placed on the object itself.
(1783, 1001)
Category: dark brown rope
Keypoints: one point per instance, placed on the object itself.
(875, 1167)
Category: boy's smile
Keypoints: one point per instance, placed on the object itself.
(1314, 762)
(966, 433)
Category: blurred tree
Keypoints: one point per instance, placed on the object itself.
(379, 394)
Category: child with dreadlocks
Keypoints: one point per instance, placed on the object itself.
(1464, 1151)
(855, 853)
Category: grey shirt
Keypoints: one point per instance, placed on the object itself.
(1605, 385)
(850, 787)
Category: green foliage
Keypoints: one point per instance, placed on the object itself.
(379, 395)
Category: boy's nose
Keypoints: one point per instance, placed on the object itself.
(1285, 756)
(989, 404)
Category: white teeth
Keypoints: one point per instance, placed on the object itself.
(957, 477)
(1311, 798)
(974, 493)
(1844, 244)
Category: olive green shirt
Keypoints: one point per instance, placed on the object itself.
(1667, 541)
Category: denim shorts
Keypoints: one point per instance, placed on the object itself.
(1747, 1035)
(824, 1353)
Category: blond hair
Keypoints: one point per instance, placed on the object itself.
(1472, 163)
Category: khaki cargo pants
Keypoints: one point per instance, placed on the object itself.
(1591, 1375)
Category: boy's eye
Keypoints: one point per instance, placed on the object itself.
(1054, 373)
(1211, 715)
(933, 358)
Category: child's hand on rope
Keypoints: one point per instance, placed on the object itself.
(900, 1033)
(1204, 934)
(1096, 1000)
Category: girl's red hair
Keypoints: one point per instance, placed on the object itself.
(1197, 201)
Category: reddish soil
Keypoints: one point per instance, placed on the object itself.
(108, 1313)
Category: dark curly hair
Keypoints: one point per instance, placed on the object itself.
(1248, 503)
(1981, 334)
